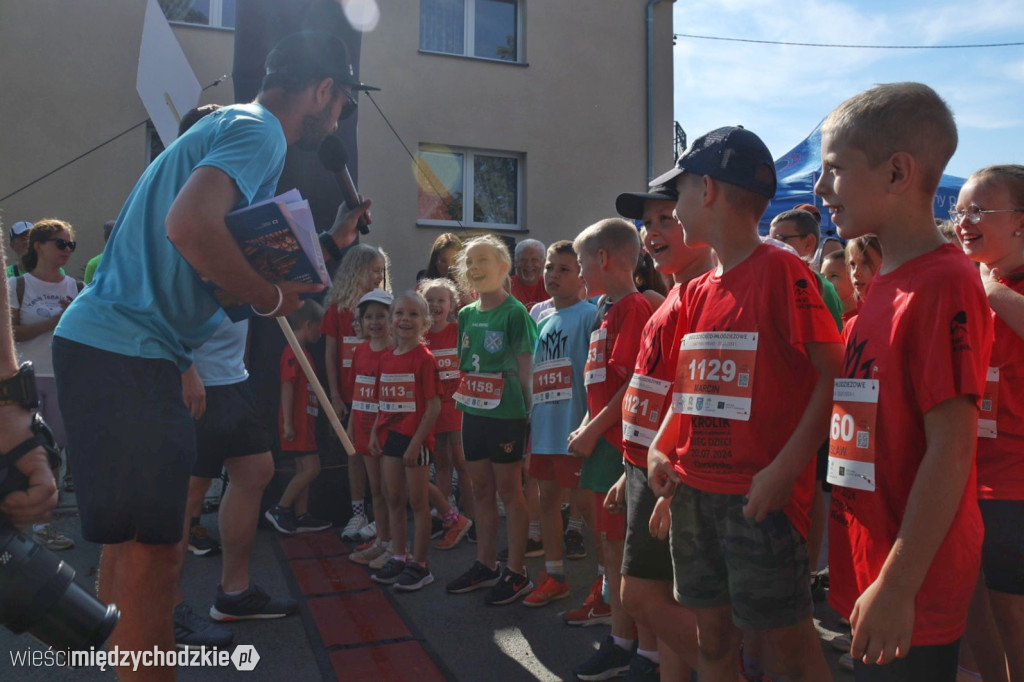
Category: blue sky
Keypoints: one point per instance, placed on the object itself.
(783, 92)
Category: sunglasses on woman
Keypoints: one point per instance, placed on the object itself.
(63, 244)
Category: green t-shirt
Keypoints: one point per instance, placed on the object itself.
(490, 342)
(832, 300)
(90, 267)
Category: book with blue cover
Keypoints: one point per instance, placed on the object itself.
(278, 238)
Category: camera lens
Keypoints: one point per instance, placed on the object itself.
(38, 594)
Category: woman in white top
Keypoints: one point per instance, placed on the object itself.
(38, 299)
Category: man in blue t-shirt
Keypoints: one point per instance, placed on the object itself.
(120, 349)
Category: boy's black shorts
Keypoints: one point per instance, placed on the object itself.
(643, 556)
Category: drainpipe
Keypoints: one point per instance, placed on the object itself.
(650, 87)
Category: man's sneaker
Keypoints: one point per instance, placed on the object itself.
(51, 538)
(350, 533)
(436, 527)
(282, 519)
(510, 587)
(367, 554)
(368, 532)
(389, 572)
(413, 577)
(607, 662)
(643, 669)
(594, 610)
(251, 604)
(454, 534)
(549, 590)
(574, 547)
(307, 523)
(191, 630)
(200, 543)
(477, 577)
(382, 560)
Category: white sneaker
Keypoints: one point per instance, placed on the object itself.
(368, 532)
(351, 530)
(384, 557)
(367, 555)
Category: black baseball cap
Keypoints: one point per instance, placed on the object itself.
(314, 54)
(733, 155)
(631, 204)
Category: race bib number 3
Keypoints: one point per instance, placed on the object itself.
(480, 390)
(348, 349)
(552, 381)
(642, 408)
(397, 393)
(596, 369)
(989, 405)
(851, 437)
(715, 374)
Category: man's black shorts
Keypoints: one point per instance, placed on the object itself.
(230, 427)
(131, 442)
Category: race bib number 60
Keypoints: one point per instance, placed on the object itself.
(715, 374)
(851, 437)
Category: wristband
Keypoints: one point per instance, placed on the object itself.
(280, 302)
(330, 246)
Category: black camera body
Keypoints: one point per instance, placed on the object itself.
(38, 593)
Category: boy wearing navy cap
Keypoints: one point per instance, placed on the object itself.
(740, 489)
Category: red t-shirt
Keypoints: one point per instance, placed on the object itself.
(650, 392)
(614, 347)
(924, 334)
(365, 369)
(339, 324)
(444, 347)
(1001, 459)
(526, 295)
(406, 382)
(304, 404)
(771, 300)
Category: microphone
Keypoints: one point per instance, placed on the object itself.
(334, 158)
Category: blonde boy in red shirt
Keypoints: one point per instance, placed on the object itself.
(905, 531)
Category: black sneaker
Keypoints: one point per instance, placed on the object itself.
(436, 527)
(574, 547)
(643, 669)
(251, 604)
(471, 535)
(200, 543)
(413, 577)
(607, 662)
(307, 523)
(478, 576)
(191, 630)
(389, 573)
(510, 587)
(282, 519)
(533, 548)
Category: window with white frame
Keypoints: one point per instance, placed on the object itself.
(215, 13)
(488, 29)
(469, 187)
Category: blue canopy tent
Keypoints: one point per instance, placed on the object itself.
(799, 169)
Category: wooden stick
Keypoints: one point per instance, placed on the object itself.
(300, 354)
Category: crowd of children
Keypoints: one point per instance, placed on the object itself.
(690, 434)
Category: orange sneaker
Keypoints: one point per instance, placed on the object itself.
(549, 590)
(593, 612)
(454, 533)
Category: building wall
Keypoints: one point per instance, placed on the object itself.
(576, 110)
(69, 85)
